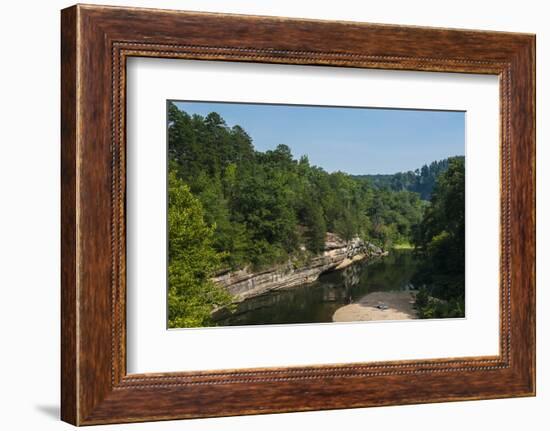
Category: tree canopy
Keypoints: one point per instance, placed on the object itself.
(440, 240)
(267, 205)
(231, 207)
(192, 259)
(421, 181)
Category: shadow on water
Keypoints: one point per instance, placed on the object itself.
(316, 302)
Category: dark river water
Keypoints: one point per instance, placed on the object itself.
(316, 302)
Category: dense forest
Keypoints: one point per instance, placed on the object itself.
(231, 207)
(421, 181)
(440, 241)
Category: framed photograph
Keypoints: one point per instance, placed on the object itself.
(265, 214)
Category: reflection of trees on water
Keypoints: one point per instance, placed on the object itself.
(351, 277)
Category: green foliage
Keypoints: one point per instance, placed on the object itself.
(421, 181)
(191, 260)
(267, 205)
(233, 207)
(394, 215)
(314, 223)
(440, 240)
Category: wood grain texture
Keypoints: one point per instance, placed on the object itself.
(69, 397)
(96, 41)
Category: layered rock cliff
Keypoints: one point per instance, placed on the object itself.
(337, 255)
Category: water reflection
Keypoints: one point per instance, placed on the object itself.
(316, 302)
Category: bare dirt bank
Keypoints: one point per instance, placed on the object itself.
(400, 307)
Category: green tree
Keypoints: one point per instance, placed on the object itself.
(191, 260)
(315, 227)
(440, 240)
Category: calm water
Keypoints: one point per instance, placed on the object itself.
(316, 302)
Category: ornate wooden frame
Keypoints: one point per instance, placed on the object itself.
(95, 42)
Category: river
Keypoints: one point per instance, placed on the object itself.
(316, 302)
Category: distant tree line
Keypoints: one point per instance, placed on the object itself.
(421, 181)
(231, 207)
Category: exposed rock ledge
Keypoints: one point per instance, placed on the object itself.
(338, 254)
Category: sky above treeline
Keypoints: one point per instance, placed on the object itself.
(352, 140)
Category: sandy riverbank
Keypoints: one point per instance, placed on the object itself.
(400, 307)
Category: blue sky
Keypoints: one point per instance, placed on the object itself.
(352, 140)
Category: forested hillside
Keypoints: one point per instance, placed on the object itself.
(440, 240)
(231, 207)
(420, 181)
(266, 205)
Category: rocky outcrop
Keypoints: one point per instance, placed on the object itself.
(337, 255)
